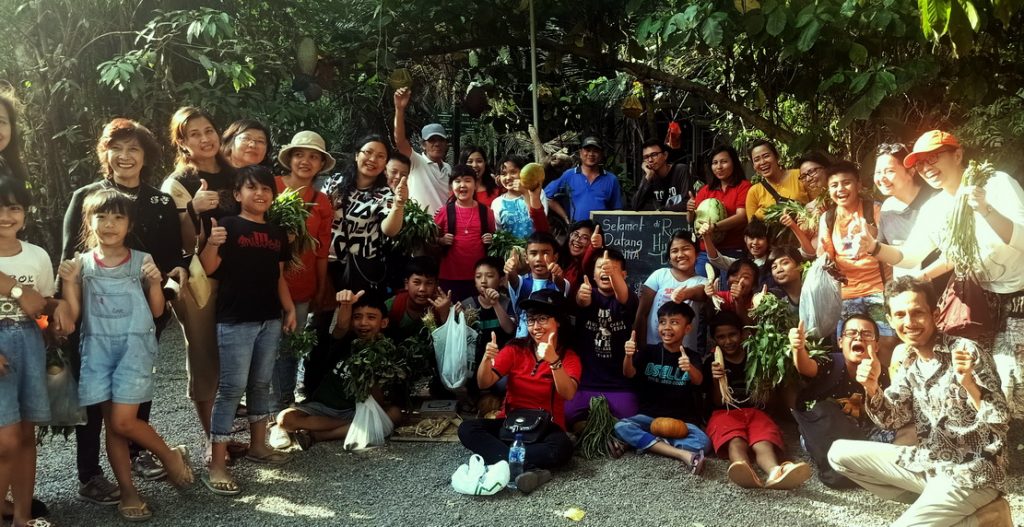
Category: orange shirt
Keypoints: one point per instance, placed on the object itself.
(302, 283)
(863, 274)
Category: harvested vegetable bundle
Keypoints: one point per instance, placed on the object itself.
(804, 218)
(289, 212)
(374, 363)
(418, 230)
(503, 244)
(962, 245)
(723, 384)
(593, 442)
(297, 344)
(768, 356)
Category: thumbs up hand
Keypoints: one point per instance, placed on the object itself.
(491, 349)
(548, 349)
(204, 198)
(554, 269)
(691, 204)
(345, 297)
(402, 191)
(798, 337)
(963, 365)
(70, 269)
(631, 345)
(869, 370)
(218, 235)
(586, 293)
(597, 239)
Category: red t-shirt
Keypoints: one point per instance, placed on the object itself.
(302, 282)
(459, 261)
(733, 198)
(485, 198)
(531, 384)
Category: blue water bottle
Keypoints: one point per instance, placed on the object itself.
(516, 460)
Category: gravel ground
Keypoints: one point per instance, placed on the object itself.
(408, 484)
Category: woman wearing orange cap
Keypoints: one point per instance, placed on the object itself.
(999, 228)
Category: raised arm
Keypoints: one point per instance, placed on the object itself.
(402, 97)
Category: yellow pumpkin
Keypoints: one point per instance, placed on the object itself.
(669, 428)
(531, 176)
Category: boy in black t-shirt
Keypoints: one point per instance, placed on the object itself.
(328, 412)
(494, 308)
(737, 428)
(669, 381)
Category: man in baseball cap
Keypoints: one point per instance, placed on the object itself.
(428, 172)
(585, 188)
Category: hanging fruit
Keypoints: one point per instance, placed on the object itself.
(544, 93)
(326, 73)
(306, 55)
(632, 107)
(674, 137)
(475, 102)
(400, 78)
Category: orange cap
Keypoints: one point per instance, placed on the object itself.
(929, 142)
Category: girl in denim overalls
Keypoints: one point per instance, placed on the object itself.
(118, 292)
(26, 285)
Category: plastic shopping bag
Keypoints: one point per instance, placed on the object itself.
(454, 348)
(63, 391)
(820, 301)
(370, 426)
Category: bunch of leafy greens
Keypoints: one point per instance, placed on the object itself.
(298, 343)
(419, 231)
(290, 212)
(769, 361)
(962, 242)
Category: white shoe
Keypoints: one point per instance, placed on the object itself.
(279, 438)
(476, 479)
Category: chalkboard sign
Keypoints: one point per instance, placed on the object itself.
(643, 238)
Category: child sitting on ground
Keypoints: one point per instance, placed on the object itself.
(736, 428)
(669, 377)
(603, 328)
(467, 229)
(328, 412)
(739, 299)
(544, 273)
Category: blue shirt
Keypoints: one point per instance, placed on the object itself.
(603, 194)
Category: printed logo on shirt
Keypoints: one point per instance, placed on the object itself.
(603, 329)
(259, 240)
(666, 374)
(10, 308)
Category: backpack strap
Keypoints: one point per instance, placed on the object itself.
(450, 212)
(485, 226)
(775, 194)
(398, 306)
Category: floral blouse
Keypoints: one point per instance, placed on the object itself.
(954, 439)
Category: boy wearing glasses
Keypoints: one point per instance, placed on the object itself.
(665, 185)
(832, 393)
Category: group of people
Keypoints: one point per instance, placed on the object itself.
(919, 416)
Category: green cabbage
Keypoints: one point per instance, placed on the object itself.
(710, 210)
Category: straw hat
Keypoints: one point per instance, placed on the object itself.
(310, 140)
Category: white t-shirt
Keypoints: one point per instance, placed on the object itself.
(428, 182)
(30, 267)
(663, 284)
(1001, 269)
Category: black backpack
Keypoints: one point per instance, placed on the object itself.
(485, 226)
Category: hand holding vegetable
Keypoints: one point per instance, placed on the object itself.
(976, 198)
(487, 238)
(680, 295)
(711, 288)
(288, 321)
(205, 199)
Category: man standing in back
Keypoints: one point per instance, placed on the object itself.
(428, 174)
(585, 188)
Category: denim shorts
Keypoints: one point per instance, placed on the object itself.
(23, 393)
(319, 409)
(117, 368)
(871, 305)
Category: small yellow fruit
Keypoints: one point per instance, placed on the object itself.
(531, 176)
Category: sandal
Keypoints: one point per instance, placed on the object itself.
(697, 463)
(221, 488)
(273, 458)
(135, 513)
(616, 448)
(186, 478)
(38, 522)
(789, 476)
(744, 476)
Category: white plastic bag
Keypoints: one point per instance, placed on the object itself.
(820, 300)
(454, 347)
(370, 426)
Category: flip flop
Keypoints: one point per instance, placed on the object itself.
(743, 475)
(135, 513)
(189, 478)
(273, 458)
(790, 476)
(221, 488)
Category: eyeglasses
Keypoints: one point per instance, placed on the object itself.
(577, 235)
(811, 173)
(537, 320)
(865, 335)
(245, 139)
(652, 156)
(373, 155)
(930, 158)
(891, 149)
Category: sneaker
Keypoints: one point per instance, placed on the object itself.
(100, 491)
(279, 438)
(302, 438)
(530, 481)
(148, 467)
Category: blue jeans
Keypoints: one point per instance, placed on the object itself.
(636, 431)
(23, 390)
(286, 369)
(247, 353)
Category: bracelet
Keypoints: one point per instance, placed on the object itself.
(877, 249)
(988, 211)
(557, 365)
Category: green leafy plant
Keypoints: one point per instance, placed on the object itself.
(418, 230)
(297, 344)
(962, 243)
(504, 243)
(804, 218)
(769, 362)
(289, 212)
(373, 363)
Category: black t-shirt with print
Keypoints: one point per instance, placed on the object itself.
(735, 375)
(665, 390)
(249, 271)
(602, 329)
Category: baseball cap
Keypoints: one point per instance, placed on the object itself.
(431, 130)
(592, 142)
(929, 142)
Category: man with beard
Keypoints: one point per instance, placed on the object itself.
(949, 389)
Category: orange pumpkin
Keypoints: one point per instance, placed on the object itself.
(669, 428)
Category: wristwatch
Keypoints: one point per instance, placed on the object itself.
(16, 292)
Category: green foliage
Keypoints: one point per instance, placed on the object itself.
(769, 362)
(419, 232)
(298, 344)
(593, 441)
(503, 243)
(377, 363)
(290, 212)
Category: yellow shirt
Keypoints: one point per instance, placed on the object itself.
(790, 187)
